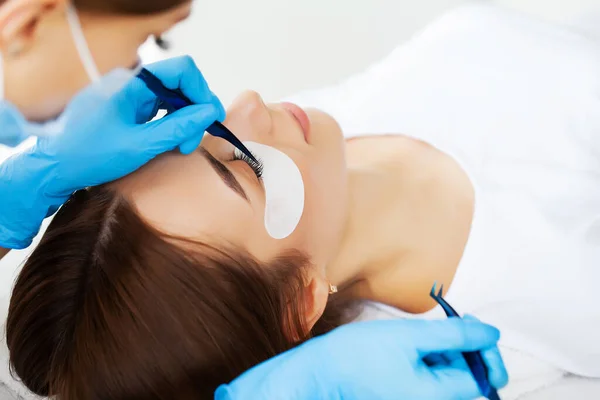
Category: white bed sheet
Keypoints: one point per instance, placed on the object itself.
(457, 36)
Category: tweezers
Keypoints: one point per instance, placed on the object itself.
(474, 359)
(173, 100)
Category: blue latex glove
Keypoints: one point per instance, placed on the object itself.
(103, 140)
(11, 130)
(377, 360)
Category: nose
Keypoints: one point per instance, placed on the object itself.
(248, 104)
(248, 116)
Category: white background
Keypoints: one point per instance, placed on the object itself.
(280, 46)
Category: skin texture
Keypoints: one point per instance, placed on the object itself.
(45, 72)
(384, 224)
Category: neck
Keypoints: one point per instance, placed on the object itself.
(373, 234)
(410, 213)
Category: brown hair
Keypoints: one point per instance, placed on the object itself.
(107, 307)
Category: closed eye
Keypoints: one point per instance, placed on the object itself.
(225, 174)
(257, 166)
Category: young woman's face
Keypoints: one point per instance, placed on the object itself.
(211, 197)
(46, 72)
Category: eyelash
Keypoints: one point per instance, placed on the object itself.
(257, 167)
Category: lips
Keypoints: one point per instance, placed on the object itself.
(300, 116)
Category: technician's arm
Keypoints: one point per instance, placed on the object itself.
(381, 360)
(103, 140)
(3, 252)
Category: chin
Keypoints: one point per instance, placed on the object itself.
(323, 118)
(325, 131)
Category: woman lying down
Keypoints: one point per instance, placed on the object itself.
(191, 270)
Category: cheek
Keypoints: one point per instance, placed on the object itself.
(325, 211)
(47, 94)
(116, 42)
(126, 57)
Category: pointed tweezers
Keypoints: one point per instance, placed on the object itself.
(474, 359)
(173, 100)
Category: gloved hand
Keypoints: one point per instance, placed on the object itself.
(378, 360)
(102, 140)
(11, 130)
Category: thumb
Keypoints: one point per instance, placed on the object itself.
(455, 335)
(175, 129)
(193, 143)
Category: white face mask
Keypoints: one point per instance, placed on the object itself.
(284, 190)
(14, 125)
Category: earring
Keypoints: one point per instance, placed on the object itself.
(332, 289)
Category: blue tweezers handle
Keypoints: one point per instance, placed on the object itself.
(173, 100)
(474, 359)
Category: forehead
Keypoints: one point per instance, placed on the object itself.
(182, 195)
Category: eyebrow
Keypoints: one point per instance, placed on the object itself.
(225, 174)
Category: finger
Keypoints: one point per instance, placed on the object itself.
(455, 334)
(133, 102)
(183, 74)
(176, 73)
(136, 102)
(175, 129)
(146, 110)
(191, 145)
(453, 383)
(497, 373)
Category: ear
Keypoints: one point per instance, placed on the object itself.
(315, 299)
(19, 20)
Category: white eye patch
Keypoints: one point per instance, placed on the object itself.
(284, 190)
